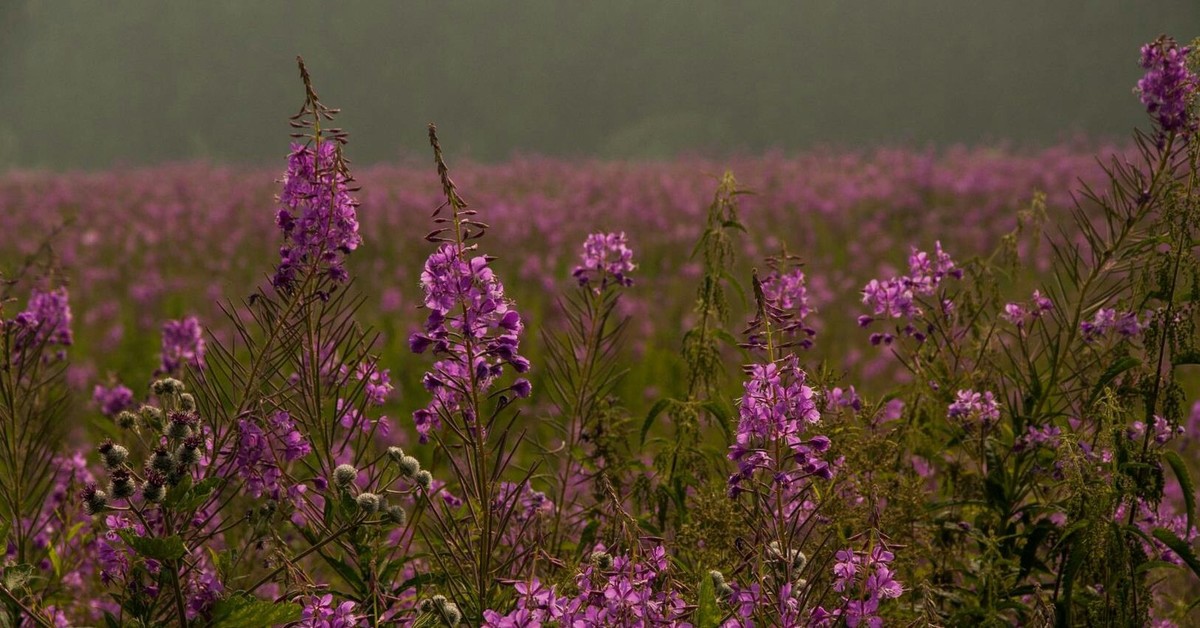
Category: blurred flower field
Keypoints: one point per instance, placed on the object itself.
(833, 388)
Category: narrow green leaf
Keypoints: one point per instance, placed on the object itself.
(1185, 484)
(1181, 548)
(655, 410)
(707, 613)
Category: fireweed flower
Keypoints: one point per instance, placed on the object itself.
(1168, 85)
(971, 407)
(897, 297)
(622, 592)
(46, 320)
(777, 408)
(113, 401)
(472, 327)
(317, 213)
(606, 257)
(182, 345)
(258, 453)
(1020, 313)
(321, 612)
(785, 301)
(865, 579)
(1107, 321)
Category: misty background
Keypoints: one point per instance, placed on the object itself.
(86, 84)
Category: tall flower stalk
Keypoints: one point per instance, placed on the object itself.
(474, 332)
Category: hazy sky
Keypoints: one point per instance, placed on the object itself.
(91, 84)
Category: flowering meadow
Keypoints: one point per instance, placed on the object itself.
(951, 387)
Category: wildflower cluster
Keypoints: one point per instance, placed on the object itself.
(182, 345)
(606, 257)
(900, 297)
(776, 411)
(610, 591)
(971, 408)
(865, 579)
(1169, 85)
(1108, 321)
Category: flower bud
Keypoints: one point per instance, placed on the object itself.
(395, 513)
(395, 454)
(126, 419)
(409, 466)
(424, 479)
(113, 455)
(162, 461)
(180, 424)
(167, 386)
(368, 502)
(94, 500)
(153, 489)
(121, 485)
(187, 402)
(344, 475)
(151, 416)
(602, 560)
(188, 455)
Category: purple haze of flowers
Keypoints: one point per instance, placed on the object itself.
(113, 400)
(777, 408)
(46, 320)
(1168, 85)
(317, 214)
(605, 256)
(472, 326)
(970, 406)
(258, 452)
(182, 345)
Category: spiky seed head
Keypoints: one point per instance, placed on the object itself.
(126, 419)
(396, 514)
(409, 466)
(187, 456)
(152, 416)
(367, 502)
(167, 386)
(153, 490)
(424, 479)
(94, 500)
(113, 454)
(121, 485)
(345, 475)
(162, 460)
(602, 560)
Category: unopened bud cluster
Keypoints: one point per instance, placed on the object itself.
(179, 434)
(441, 608)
